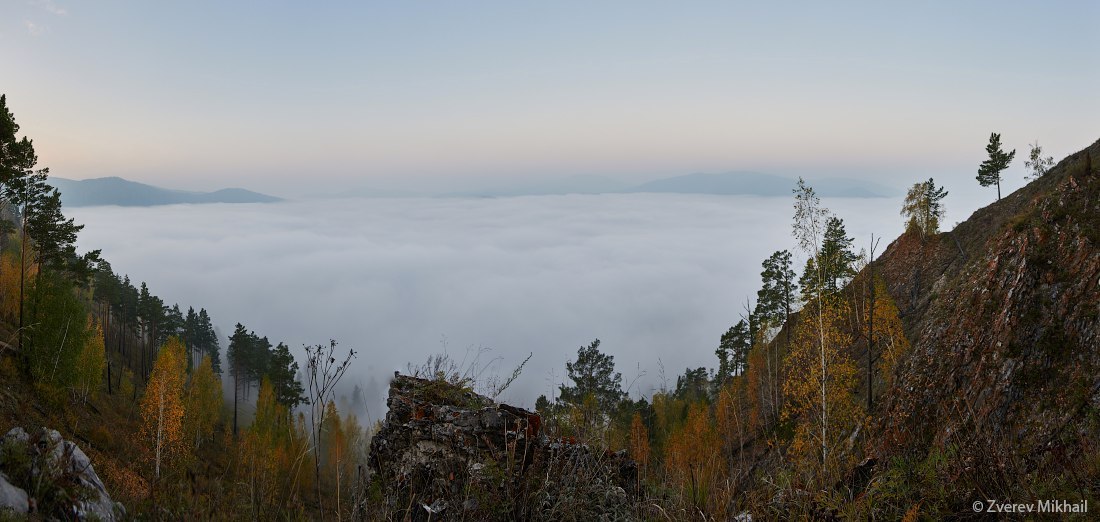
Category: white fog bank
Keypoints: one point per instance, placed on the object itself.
(655, 277)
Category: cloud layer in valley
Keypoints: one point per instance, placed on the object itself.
(655, 277)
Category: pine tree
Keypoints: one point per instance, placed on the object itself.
(17, 161)
(258, 358)
(239, 345)
(58, 331)
(283, 370)
(776, 298)
(836, 258)
(53, 235)
(208, 340)
(190, 336)
(733, 349)
(25, 192)
(172, 326)
(989, 172)
(593, 373)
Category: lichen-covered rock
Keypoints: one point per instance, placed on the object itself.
(445, 452)
(66, 484)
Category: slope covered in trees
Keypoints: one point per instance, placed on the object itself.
(138, 382)
(859, 388)
(957, 366)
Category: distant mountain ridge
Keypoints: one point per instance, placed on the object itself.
(724, 183)
(125, 193)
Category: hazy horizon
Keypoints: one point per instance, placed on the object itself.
(303, 100)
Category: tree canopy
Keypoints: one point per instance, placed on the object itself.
(775, 299)
(832, 265)
(1036, 164)
(924, 208)
(733, 350)
(989, 172)
(593, 374)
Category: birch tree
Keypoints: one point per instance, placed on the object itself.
(810, 219)
(162, 408)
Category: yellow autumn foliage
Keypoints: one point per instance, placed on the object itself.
(162, 406)
(9, 287)
(890, 340)
(819, 389)
(639, 443)
(204, 403)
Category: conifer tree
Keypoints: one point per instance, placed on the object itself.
(190, 336)
(733, 349)
(837, 257)
(776, 298)
(207, 340)
(17, 161)
(57, 333)
(989, 172)
(239, 345)
(593, 373)
(283, 370)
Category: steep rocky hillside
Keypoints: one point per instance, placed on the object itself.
(1002, 313)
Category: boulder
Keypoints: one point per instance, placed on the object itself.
(12, 497)
(73, 488)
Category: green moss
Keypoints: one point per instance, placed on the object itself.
(442, 392)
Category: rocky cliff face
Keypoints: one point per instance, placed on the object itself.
(1003, 317)
(447, 453)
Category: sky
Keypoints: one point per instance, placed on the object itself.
(306, 98)
(658, 278)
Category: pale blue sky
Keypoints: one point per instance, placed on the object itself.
(277, 96)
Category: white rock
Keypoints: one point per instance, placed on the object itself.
(12, 497)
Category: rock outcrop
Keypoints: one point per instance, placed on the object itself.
(447, 453)
(46, 474)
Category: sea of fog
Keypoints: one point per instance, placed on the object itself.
(656, 277)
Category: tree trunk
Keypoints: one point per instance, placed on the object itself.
(160, 427)
(106, 350)
(22, 276)
(236, 386)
